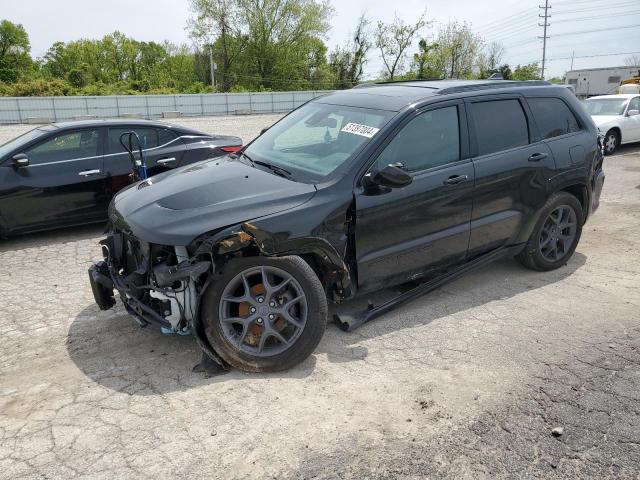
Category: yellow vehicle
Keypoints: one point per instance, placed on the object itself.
(630, 85)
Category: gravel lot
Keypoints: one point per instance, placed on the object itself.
(467, 382)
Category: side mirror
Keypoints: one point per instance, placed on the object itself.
(391, 176)
(20, 160)
(632, 113)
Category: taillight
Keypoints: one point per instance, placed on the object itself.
(231, 149)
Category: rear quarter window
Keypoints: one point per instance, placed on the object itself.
(499, 125)
(553, 117)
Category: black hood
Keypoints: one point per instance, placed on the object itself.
(177, 206)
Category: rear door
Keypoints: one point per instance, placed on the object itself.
(62, 184)
(161, 147)
(511, 172)
(403, 233)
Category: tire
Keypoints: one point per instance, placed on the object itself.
(549, 234)
(235, 324)
(611, 142)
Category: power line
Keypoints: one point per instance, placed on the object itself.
(598, 17)
(618, 27)
(597, 8)
(596, 55)
(586, 56)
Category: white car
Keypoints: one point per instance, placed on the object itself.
(617, 117)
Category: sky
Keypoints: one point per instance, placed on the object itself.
(602, 26)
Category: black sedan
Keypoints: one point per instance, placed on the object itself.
(66, 173)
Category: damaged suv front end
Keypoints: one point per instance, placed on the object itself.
(158, 284)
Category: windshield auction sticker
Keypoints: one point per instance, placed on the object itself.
(358, 129)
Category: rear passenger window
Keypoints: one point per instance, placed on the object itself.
(553, 117)
(148, 138)
(166, 136)
(429, 140)
(499, 125)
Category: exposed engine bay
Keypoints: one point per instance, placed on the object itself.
(157, 284)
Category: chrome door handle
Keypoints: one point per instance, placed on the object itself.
(455, 179)
(164, 161)
(88, 173)
(536, 157)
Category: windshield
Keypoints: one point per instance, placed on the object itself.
(606, 106)
(314, 140)
(17, 142)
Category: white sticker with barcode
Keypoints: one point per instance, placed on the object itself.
(363, 130)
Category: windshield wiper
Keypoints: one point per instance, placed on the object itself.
(241, 153)
(274, 168)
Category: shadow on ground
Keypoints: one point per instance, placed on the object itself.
(51, 237)
(113, 351)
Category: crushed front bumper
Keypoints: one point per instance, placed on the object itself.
(154, 291)
(101, 285)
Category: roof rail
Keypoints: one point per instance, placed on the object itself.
(492, 84)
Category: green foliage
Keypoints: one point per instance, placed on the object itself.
(557, 80)
(346, 64)
(526, 72)
(263, 44)
(393, 39)
(14, 51)
(258, 45)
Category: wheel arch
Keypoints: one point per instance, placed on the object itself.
(581, 192)
(618, 131)
(248, 240)
(577, 189)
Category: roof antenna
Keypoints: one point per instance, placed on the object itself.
(496, 76)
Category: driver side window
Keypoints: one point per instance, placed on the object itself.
(67, 146)
(429, 140)
(634, 104)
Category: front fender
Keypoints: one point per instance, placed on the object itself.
(249, 239)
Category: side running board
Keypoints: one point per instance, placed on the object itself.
(348, 322)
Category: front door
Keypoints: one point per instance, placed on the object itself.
(632, 122)
(403, 233)
(61, 185)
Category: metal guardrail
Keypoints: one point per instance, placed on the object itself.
(55, 109)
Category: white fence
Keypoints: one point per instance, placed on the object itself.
(54, 109)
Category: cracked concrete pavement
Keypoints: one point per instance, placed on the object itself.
(467, 382)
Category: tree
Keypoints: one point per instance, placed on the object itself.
(219, 20)
(14, 51)
(458, 51)
(505, 71)
(393, 39)
(632, 61)
(347, 63)
(281, 34)
(489, 59)
(526, 72)
(423, 61)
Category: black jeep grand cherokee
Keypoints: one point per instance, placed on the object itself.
(354, 191)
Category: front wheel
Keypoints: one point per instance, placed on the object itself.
(265, 314)
(556, 235)
(611, 142)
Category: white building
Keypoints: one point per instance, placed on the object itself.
(599, 81)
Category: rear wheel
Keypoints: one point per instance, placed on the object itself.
(265, 314)
(556, 235)
(611, 142)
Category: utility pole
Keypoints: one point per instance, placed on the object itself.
(212, 66)
(572, 54)
(544, 37)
